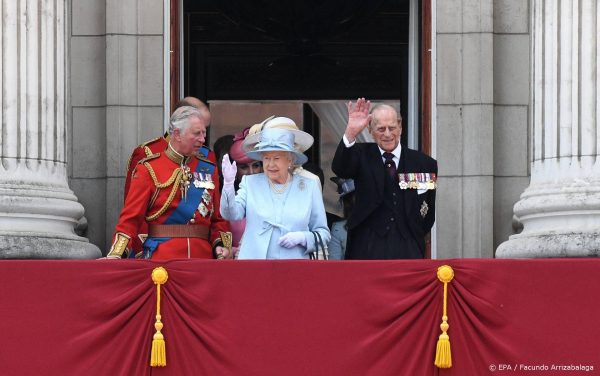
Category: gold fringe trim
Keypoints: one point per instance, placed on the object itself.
(443, 355)
(176, 177)
(170, 181)
(158, 355)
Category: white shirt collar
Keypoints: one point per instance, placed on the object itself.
(396, 152)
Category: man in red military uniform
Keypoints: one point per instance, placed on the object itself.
(176, 194)
(158, 145)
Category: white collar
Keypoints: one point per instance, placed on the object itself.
(396, 151)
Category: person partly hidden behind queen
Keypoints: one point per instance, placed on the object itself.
(282, 206)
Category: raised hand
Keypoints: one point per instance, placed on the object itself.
(229, 170)
(358, 118)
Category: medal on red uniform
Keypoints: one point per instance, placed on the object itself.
(203, 180)
(197, 183)
(209, 181)
(203, 209)
(206, 197)
(205, 204)
(185, 181)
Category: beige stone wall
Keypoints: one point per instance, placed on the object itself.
(511, 111)
(86, 113)
(482, 122)
(116, 99)
(465, 151)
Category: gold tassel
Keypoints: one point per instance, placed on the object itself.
(158, 357)
(443, 356)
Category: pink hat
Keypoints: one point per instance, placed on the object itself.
(236, 152)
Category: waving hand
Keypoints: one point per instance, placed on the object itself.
(358, 118)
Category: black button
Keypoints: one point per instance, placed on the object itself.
(392, 219)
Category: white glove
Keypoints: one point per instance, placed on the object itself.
(229, 170)
(292, 239)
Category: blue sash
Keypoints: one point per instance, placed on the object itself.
(186, 208)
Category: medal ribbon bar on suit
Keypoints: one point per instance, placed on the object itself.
(417, 180)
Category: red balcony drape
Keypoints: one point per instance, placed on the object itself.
(300, 317)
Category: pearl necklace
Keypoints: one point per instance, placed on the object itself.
(279, 188)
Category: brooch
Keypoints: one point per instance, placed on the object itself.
(301, 185)
(424, 209)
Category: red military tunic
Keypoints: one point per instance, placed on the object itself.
(154, 194)
(145, 150)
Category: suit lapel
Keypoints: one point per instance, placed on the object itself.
(402, 163)
(378, 172)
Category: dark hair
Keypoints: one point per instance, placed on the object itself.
(222, 145)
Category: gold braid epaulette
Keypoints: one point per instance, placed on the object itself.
(174, 180)
(158, 184)
(149, 158)
(141, 161)
(147, 151)
(145, 148)
(144, 145)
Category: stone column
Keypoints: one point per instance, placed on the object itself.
(560, 210)
(38, 211)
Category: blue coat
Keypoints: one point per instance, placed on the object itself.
(270, 215)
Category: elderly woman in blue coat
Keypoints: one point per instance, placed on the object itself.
(282, 207)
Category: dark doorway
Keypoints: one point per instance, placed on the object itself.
(256, 55)
(296, 50)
